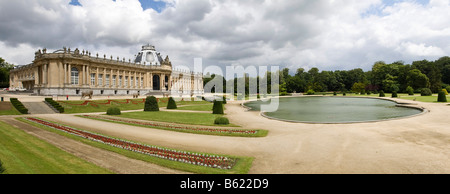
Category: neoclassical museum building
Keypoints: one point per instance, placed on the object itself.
(71, 72)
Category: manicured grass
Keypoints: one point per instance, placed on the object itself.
(89, 106)
(423, 98)
(202, 107)
(6, 108)
(242, 165)
(175, 117)
(183, 128)
(22, 153)
(417, 97)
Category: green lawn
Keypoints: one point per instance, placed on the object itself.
(242, 165)
(175, 117)
(417, 97)
(22, 153)
(6, 108)
(89, 106)
(201, 107)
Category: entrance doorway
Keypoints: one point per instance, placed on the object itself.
(156, 82)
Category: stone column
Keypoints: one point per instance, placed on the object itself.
(69, 74)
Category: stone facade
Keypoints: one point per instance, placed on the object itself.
(66, 72)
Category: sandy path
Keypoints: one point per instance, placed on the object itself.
(419, 144)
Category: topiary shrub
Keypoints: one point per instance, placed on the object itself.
(382, 94)
(151, 104)
(221, 121)
(425, 92)
(344, 94)
(445, 91)
(225, 99)
(113, 111)
(334, 94)
(410, 91)
(218, 107)
(394, 94)
(310, 92)
(171, 104)
(442, 97)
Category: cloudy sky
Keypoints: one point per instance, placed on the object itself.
(328, 34)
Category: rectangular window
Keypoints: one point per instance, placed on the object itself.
(107, 80)
(142, 82)
(100, 79)
(132, 82)
(92, 79)
(114, 80)
(126, 81)
(120, 81)
(74, 76)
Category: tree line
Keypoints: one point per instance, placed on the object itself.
(393, 77)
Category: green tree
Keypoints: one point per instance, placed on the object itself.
(417, 79)
(432, 71)
(5, 67)
(358, 87)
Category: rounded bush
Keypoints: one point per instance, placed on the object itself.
(442, 97)
(394, 94)
(113, 111)
(382, 94)
(151, 104)
(221, 121)
(410, 91)
(218, 107)
(425, 92)
(171, 104)
(310, 92)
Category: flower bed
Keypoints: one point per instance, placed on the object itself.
(211, 161)
(176, 127)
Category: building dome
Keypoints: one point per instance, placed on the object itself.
(148, 56)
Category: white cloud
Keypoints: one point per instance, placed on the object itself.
(324, 33)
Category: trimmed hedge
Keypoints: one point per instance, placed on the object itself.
(310, 92)
(55, 104)
(18, 105)
(151, 104)
(410, 91)
(113, 111)
(394, 94)
(425, 92)
(442, 97)
(218, 107)
(171, 104)
(382, 94)
(221, 121)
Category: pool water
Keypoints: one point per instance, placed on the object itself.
(335, 109)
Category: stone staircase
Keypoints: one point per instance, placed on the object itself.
(38, 108)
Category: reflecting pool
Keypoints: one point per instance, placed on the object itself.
(335, 109)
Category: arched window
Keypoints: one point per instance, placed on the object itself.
(74, 76)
